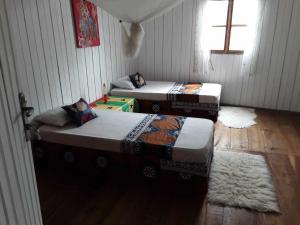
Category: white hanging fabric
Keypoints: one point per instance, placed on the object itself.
(132, 40)
(135, 12)
(202, 60)
(257, 9)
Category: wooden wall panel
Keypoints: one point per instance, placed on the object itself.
(289, 87)
(279, 52)
(159, 29)
(18, 192)
(51, 70)
(276, 84)
(167, 46)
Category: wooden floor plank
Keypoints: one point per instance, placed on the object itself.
(239, 139)
(285, 180)
(222, 137)
(235, 216)
(100, 206)
(255, 139)
(273, 138)
(295, 162)
(211, 214)
(292, 139)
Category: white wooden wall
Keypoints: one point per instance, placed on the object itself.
(167, 54)
(51, 70)
(19, 202)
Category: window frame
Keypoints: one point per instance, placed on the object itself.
(228, 27)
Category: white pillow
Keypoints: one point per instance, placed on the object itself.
(55, 117)
(124, 82)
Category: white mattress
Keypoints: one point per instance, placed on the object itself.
(157, 91)
(106, 132)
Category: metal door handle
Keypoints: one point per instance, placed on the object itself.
(26, 112)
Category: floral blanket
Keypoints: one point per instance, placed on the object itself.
(185, 92)
(154, 135)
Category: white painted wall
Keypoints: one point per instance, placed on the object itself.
(51, 70)
(19, 202)
(167, 54)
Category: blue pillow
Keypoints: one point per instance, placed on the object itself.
(80, 112)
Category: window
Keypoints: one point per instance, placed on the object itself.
(228, 20)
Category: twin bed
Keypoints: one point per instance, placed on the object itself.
(192, 151)
(160, 97)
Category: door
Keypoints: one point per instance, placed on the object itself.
(19, 203)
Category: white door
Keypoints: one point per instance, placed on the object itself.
(19, 203)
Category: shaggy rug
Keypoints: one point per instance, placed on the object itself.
(242, 180)
(236, 117)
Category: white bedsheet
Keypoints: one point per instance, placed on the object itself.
(106, 132)
(157, 91)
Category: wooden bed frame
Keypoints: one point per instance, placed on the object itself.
(208, 111)
(53, 156)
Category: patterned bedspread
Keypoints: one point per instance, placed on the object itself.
(154, 135)
(185, 92)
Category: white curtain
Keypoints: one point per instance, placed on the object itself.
(202, 62)
(253, 36)
(251, 39)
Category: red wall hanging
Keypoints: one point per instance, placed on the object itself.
(86, 23)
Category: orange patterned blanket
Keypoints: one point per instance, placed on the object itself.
(185, 92)
(156, 134)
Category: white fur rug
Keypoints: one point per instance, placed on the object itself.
(242, 180)
(236, 117)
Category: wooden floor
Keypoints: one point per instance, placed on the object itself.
(130, 202)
